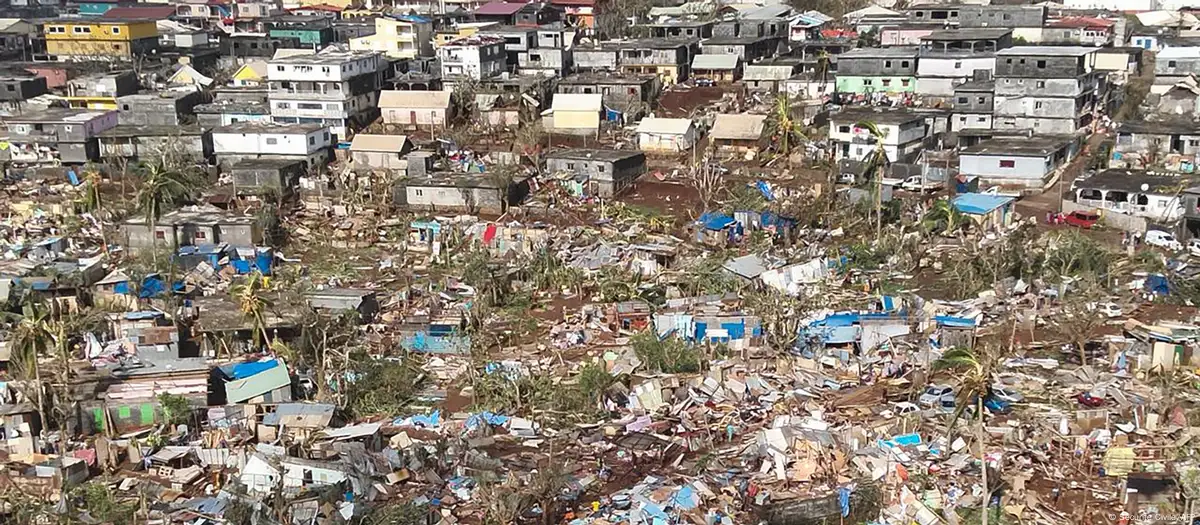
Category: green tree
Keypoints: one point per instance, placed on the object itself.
(162, 187)
(177, 410)
(974, 369)
(945, 217)
(877, 163)
(32, 337)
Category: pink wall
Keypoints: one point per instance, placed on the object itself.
(56, 77)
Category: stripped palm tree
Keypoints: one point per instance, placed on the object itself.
(877, 163)
(162, 187)
(785, 129)
(974, 369)
(253, 305)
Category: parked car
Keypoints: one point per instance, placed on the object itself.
(1163, 239)
(1082, 219)
(915, 184)
(1007, 394)
(903, 408)
(1194, 247)
(705, 82)
(933, 395)
(1088, 400)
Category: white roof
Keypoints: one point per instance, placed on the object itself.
(738, 127)
(577, 102)
(379, 143)
(1179, 52)
(414, 99)
(664, 126)
(284, 53)
(715, 62)
(7, 23)
(871, 10)
(765, 72)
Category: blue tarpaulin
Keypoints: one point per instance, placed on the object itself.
(73, 177)
(152, 286)
(433, 419)
(715, 220)
(765, 187)
(244, 370)
(241, 267)
(1158, 284)
(844, 500)
(493, 419)
(121, 287)
(956, 322)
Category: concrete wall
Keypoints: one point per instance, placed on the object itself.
(961, 121)
(414, 117)
(1026, 171)
(897, 36)
(867, 84)
(1176, 66)
(378, 160)
(1111, 218)
(577, 120)
(1041, 107)
(270, 143)
(1034, 66)
(892, 67)
(1043, 126)
(1001, 16)
(656, 142)
(973, 101)
(450, 198)
(595, 59)
(1047, 87)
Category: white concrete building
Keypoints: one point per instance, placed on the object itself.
(903, 133)
(335, 89)
(477, 57)
(309, 143)
(1113, 5)
(670, 135)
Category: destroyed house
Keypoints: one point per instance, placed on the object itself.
(262, 382)
(435, 335)
(159, 109)
(606, 173)
(616, 91)
(365, 303)
(256, 45)
(1172, 143)
(192, 226)
(682, 29)
(56, 135)
(668, 58)
(706, 325)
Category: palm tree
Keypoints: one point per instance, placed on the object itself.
(877, 162)
(783, 126)
(974, 370)
(33, 336)
(253, 305)
(946, 217)
(161, 187)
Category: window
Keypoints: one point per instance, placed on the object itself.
(1008, 164)
(962, 100)
(887, 63)
(57, 30)
(981, 120)
(1008, 61)
(1171, 63)
(326, 135)
(887, 82)
(279, 68)
(325, 69)
(283, 105)
(958, 65)
(1041, 83)
(632, 91)
(962, 119)
(903, 63)
(200, 235)
(1007, 16)
(116, 30)
(600, 168)
(983, 100)
(10, 87)
(81, 30)
(570, 165)
(418, 192)
(843, 129)
(1041, 64)
(312, 141)
(1037, 105)
(272, 141)
(904, 82)
(868, 82)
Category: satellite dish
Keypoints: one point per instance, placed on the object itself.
(1145, 187)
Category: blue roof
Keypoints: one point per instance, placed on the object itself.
(244, 370)
(839, 334)
(143, 314)
(715, 220)
(953, 321)
(979, 203)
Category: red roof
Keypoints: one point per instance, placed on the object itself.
(1084, 22)
(157, 12)
(573, 2)
(500, 8)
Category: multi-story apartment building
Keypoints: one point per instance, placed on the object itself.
(307, 143)
(335, 89)
(668, 58)
(398, 37)
(1053, 90)
(973, 105)
(476, 57)
(877, 70)
(99, 39)
(1028, 22)
(903, 133)
(951, 57)
(60, 135)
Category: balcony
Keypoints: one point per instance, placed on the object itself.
(298, 112)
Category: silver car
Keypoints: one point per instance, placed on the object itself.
(933, 395)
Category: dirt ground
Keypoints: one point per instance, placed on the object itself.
(682, 101)
(669, 198)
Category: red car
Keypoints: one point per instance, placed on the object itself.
(1087, 399)
(1082, 219)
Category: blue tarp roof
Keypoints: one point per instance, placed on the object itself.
(950, 320)
(143, 314)
(244, 370)
(979, 203)
(838, 334)
(715, 220)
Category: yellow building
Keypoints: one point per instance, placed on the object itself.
(115, 40)
(398, 37)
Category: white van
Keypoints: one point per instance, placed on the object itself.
(1163, 240)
